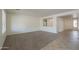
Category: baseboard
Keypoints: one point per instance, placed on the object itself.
(22, 32)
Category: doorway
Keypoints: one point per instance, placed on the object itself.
(75, 24)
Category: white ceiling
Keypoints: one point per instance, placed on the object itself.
(38, 12)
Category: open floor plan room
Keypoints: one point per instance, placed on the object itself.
(39, 29)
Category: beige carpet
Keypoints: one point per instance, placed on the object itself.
(29, 41)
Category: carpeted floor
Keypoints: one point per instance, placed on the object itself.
(29, 41)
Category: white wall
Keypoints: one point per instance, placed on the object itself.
(60, 24)
(49, 29)
(2, 27)
(22, 23)
(4, 24)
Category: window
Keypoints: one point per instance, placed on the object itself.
(75, 23)
(48, 22)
